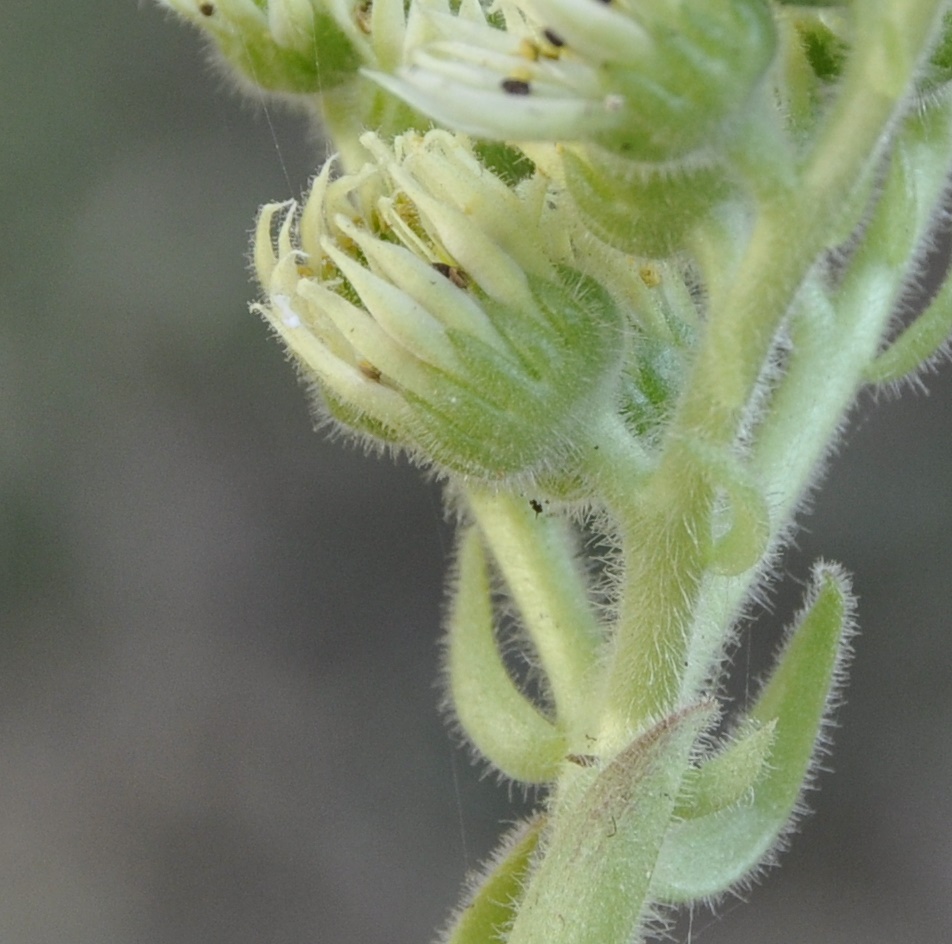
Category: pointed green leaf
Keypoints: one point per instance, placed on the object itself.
(503, 724)
(605, 829)
(727, 777)
(703, 857)
(918, 343)
(490, 911)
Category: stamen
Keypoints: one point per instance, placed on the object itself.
(515, 86)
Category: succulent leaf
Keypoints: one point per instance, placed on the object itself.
(491, 908)
(607, 824)
(704, 856)
(727, 777)
(500, 721)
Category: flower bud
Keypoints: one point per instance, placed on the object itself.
(297, 46)
(421, 295)
(640, 208)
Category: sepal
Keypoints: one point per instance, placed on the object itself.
(641, 208)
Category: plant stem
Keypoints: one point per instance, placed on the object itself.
(535, 556)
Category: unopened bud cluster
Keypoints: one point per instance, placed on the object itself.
(419, 295)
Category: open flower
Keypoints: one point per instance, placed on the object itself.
(653, 80)
(431, 303)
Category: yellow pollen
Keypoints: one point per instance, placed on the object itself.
(529, 50)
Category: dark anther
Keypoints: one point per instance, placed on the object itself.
(515, 86)
(206, 9)
(369, 371)
(363, 14)
(535, 505)
(455, 275)
(553, 38)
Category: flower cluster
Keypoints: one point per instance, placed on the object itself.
(580, 267)
(434, 306)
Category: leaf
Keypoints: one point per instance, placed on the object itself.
(705, 856)
(491, 908)
(606, 826)
(502, 723)
(727, 777)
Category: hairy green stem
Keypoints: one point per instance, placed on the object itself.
(536, 559)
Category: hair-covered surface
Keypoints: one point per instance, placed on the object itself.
(219, 634)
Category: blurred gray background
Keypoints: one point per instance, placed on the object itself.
(219, 631)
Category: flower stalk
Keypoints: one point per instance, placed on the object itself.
(615, 273)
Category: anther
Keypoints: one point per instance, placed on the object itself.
(515, 86)
(454, 274)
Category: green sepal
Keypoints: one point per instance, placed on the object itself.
(694, 76)
(500, 721)
(728, 776)
(519, 409)
(705, 856)
(606, 826)
(490, 910)
(352, 418)
(638, 208)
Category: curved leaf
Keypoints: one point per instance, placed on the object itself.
(503, 724)
(703, 857)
